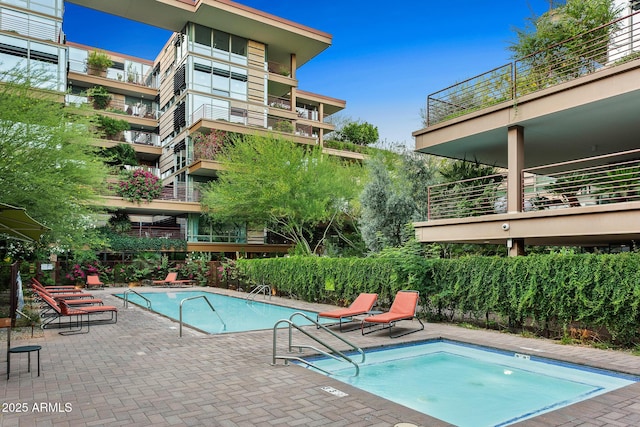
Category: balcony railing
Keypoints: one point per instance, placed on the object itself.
(471, 197)
(279, 102)
(133, 109)
(141, 137)
(583, 185)
(243, 117)
(606, 46)
(223, 237)
(575, 184)
(152, 231)
(121, 75)
(278, 68)
(30, 25)
(180, 192)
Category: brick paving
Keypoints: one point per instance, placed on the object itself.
(140, 372)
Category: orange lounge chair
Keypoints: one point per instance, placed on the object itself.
(56, 287)
(361, 305)
(65, 294)
(94, 280)
(171, 277)
(404, 307)
(71, 299)
(61, 309)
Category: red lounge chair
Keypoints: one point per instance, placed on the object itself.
(75, 294)
(171, 277)
(61, 309)
(57, 287)
(361, 305)
(71, 299)
(94, 280)
(404, 307)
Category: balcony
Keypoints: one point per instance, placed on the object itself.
(246, 121)
(135, 73)
(31, 26)
(590, 201)
(600, 49)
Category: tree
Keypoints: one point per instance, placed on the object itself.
(361, 133)
(579, 25)
(296, 192)
(48, 164)
(395, 195)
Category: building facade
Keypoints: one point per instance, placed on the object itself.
(226, 68)
(561, 127)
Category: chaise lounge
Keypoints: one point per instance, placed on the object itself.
(61, 309)
(361, 305)
(171, 280)
(93, 280)
(404, 307)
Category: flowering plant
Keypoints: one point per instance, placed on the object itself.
(76, 274)
(208, 146)
(138, 185)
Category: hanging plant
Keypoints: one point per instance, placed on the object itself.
(139, 185)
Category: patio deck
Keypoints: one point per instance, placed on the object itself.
(139, 372)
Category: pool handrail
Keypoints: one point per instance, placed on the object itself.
(224, 325)
(319, 326)
(262, 288)
(126, 298)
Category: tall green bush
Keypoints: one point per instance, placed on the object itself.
(551, 293)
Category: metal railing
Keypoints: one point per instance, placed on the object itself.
(264, 289)
(473, 94)
(126, 298)
(243, 116)
(606, 46)
(120, 75)
(599, 180)
(278, 68)
(224, 325)
(332, 353)
(29, 26)
(579, 184)
(279, 102)
(470, 197)
(142, 138)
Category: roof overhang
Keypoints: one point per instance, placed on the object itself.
(282, 36)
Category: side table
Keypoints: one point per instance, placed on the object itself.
(24, 349)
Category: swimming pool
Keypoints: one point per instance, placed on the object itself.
(474, 386)
(233, 314)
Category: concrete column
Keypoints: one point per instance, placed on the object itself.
(515, 159)
(516, 248)
(294, 98)
(294, 65)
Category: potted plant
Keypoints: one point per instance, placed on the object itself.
(97, 63)
(99, 96)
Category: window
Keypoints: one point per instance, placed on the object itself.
(201, 39)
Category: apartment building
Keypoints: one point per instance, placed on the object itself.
(227, 67)
(562, 128)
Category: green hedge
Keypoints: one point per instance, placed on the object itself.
(330, 280)
(549, 292)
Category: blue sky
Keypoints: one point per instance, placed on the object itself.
(385, 59)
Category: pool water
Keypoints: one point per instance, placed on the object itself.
(237, 314)
(471, 386)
